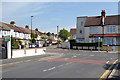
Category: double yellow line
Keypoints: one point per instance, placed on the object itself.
(107, 71)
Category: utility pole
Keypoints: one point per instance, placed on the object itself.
(31, 29)
(57, 36)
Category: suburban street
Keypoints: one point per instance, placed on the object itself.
(61, 63)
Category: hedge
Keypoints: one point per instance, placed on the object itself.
(95, 44)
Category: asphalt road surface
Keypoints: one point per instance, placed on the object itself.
(67, 64)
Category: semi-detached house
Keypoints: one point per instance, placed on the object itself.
(89, 28)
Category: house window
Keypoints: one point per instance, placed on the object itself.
(15, 34)
(93, 30)
(82, 23)
(111, 29)
(80, 31)
(109, 41)
(5, 33)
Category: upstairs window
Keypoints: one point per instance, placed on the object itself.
(82, 23)
(111, 29)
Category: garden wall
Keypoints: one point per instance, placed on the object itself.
(27, 52)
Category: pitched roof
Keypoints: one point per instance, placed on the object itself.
(16, 29)
(96, 21)
(25, 30)
(4, 26)
(73, 31)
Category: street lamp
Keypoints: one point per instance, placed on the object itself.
(57, 36)
(31, 28)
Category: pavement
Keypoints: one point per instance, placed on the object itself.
(61, 63)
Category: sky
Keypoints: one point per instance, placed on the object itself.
(49, 15)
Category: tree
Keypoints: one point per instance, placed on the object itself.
(64, 34)
(50, 39)
(44, 36)
(34, 36)
(48, 34)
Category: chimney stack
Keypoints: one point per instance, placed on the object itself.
(103, 17)
(36, 29)
(12, 22)
(103, 13)
(27, 26)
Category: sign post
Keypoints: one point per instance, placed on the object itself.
(99, 42)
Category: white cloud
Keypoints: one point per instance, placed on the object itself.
(22, 9)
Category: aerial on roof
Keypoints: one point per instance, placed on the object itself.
(73, 31)
(96, 21)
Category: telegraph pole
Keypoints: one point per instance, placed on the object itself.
(57, 36)
(31, 29)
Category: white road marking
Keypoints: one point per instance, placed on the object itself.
(91, 55)
(74, 56)
(66, 58)
(49, 69)
(44, 70)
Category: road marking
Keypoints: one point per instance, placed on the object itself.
(44, 70)
(49, 69)
(91, 55)
(112, 73)
(66, 58)
(107, 71)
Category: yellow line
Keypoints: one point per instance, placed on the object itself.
(106, 72)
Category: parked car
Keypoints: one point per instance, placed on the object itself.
(32, 45)
(45, 45)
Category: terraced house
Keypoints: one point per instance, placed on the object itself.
(90, 28)
(19, 33)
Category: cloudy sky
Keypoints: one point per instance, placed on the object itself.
(48, 15)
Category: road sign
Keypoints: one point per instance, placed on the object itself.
(98, 36)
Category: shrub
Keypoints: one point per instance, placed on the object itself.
(20, 42)
(15, 45)
(73, 43)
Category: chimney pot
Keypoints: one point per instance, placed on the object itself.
(12, 22)
(27, 26)
(36, 29)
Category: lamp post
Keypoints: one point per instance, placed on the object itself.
(31, 29)
(57, 36)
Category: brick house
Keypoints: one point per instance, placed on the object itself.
(72, 33)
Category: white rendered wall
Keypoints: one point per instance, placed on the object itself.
(16, 53)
